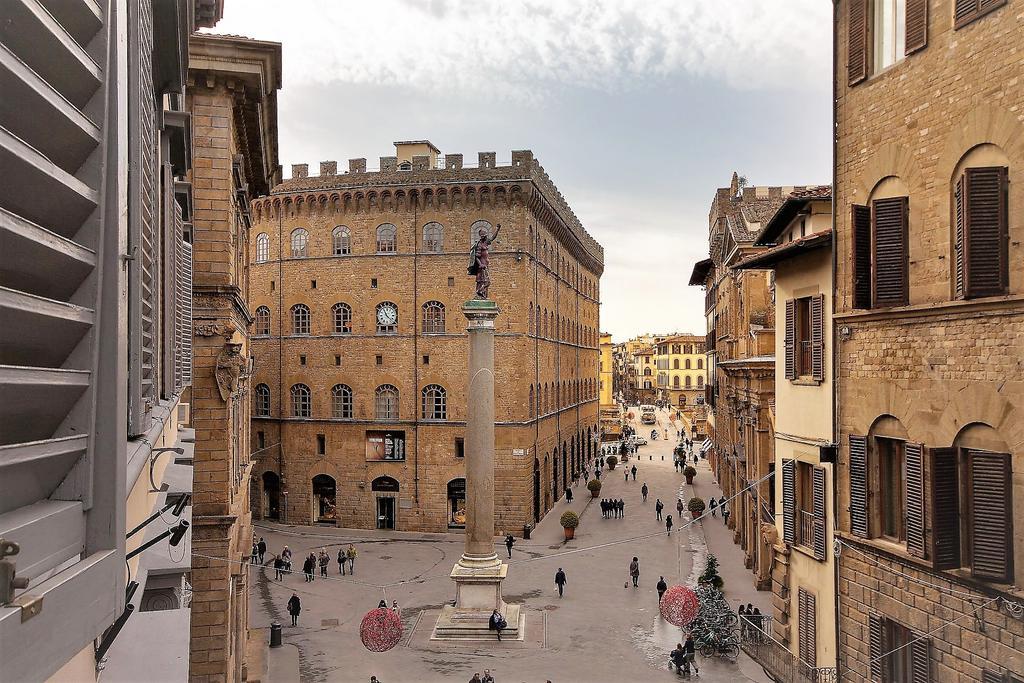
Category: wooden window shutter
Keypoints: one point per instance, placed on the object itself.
(945, 508)
(991, 677)
(959, 256)
(876, 645)
(183, 324)
(966, 11)
(790, 339)
(170, 231)
(860, 222)
(985, 232)
(807, 628)
(916, 32)
(991, 516)
(818, 337)
(859, 485)
(889, 260)
(857, 41)
(920, 659)
(914, 496)
(789, 501)
(818, 503)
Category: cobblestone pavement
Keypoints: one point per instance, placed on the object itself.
(600, 631)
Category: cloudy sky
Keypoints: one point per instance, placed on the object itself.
(638, 109)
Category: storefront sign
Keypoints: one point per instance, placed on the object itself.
(388, 445)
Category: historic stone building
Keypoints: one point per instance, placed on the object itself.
(929, 323)
(679, 362)
(606, 386)
(232, 96)
(357, 282)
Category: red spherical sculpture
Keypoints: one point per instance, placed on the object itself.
(380, 630)
(679, 605)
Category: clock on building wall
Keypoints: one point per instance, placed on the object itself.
(387, 314)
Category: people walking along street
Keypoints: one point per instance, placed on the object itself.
(341, 561)
(309, 566)
(658, 507)
(634, 572)
(662, 587)
(713, 506)
(668, 524)
(633, 472)
(294, 608)
(643, 491)
(679, 506)
(560, 581)
(262, 547)
(568, 495)
(351, 555)
(510, 541)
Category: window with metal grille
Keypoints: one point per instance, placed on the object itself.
(433, 237)
(262, 247)
(435, 402)
(387, 238)
(302, 405)
(300, 242)
(433, 317)
(300, 319)
(341, 239)
(341, 401)
(261, 323)
(386, 402)
(342, 318)
(261, 400)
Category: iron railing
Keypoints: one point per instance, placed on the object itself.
(779, 663)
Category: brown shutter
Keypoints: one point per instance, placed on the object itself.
(818, 337)
(959, 257)
(916, 31)
(985, 231)
(790, 339)
(876, 641)
(889, 262)
(860, 222)
(807, 628)
(920, 659)
(857, 41)
(991, 677)
(789, 501)
(991, 516)
(914, 495)
(964, 12)
(818, 503)
(859, 485)
(945, 508)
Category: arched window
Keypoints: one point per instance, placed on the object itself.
(261, 400)
(342, 318)
(301, 401)
(689, 381)
(386, 402)
(687, 363)
(980, 232)
(387, 318)
(675, 363)
(262, 248)
(433, 317)
(261, 324)
(300, 242)
(300, 319)
(700, 380)
(675, 381)
(341, 401)
(474, 230)
(529, 314)
(532, 398)
(433, 237)
(341, 238)
(700, 363)
(435, 402)
(387, 238)
(545, 332)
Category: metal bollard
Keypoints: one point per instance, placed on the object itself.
(275, 634)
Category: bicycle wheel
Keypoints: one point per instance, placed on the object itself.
(730, 650)
(729, 619)
(707, 650)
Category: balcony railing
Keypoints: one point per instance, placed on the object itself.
(778, 662)
(805, 528)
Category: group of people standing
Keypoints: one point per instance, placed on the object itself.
(613, 506)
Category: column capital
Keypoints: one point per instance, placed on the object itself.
(480, 313)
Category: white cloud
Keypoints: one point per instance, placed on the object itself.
(530, 48)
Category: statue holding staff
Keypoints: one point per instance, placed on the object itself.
(479, 261)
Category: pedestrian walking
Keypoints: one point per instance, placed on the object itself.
(351, 553)
(308, 567)
(633, 471)
(496, 623)
(568, 495)
(622, 509)
(510, 541)
(597, 474)
(488, 678)
(396, 609)
(262, 547)
(724, 509)
(643, 491)
(713, 506)
(602, 462)
(668, 524)
(690, 655)
(278, 568)
(476, 676)
(662, 587)
(325, 560)
(744, 624)
(560, 581)
(679, 506)
(626, 472)
(294, 608)
(658, 507)
(341, 561)
(255, 556)
(634, 572)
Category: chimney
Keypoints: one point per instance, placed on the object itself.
(328, 168)
(300, 170)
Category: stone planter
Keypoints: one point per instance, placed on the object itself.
(595, 494)
(689, 480)
(570, 533)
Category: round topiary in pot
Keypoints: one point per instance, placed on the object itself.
(696, 507)
(569, 521)
(594, 486)
(612, 462)
(689, 472)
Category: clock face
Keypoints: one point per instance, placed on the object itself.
(387, 314)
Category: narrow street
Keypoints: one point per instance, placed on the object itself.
(614, 632)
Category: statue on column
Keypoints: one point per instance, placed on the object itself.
(479, 261)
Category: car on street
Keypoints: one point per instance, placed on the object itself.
(639, 441)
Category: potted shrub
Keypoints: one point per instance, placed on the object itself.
(569, 521)
(696, 507)
(612, 462)
(594, 486)
(689, 472)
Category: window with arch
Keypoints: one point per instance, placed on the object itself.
(675, 363)
(261, 322)
(529, 314)
(433, 237)
(302, 403)
(532, 398)
(387, 238)
(300, 319)
(387, 318)
(262, 247)
(341, 240)
(261, 400)
(700, 380)
(688, 364)
(880, 268)
(545, 331)
(700, 363)
(300, 243)
(435, 402)
(689, 381)
(385, 402)
(981, 224)
(341, 401)
(433, 317)
(474, 230)
(675, 381)
(342, 314)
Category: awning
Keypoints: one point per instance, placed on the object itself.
(704, 447)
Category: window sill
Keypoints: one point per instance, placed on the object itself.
(805, 382)
(934, 308)
(806, 550)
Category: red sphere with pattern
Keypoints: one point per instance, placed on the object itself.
(679, 605)
(380, 630)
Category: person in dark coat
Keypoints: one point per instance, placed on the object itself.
(560, 581)
(278, 568)
(677, 658)
(294, 608)
(309, 566)
(254, 558)
(568, 494)
(262, 547)
(510, 541)
(679, 506)
(725, 510)
(689, 655)
(713, 506)
(634, 572)
(496, 623)
(668, 524)
(597, 474)
(658, 507)
(643, 491)
(341, 560)
(325, 560)
(662, 587)
(633, 472)
(622, 509)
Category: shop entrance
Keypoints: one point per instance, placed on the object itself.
(457, 504)
(271, 507)
(386, 491)
(325, 509)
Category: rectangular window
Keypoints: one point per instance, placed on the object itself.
(889, 32)
(380, 360)
(460, 447)
(312, 284)
(967, 11)
(272, 285)
(897, 653)
(337, 359)
(321, 444)
(891, 486)
(373, 283)
(807, 628)
(451, 282)
(261, 441)
(302, 359)
(804, 338)
(426, 360)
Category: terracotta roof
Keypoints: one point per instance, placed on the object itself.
(793, 204)
(769, 257)
(819, 192)
(700, 272)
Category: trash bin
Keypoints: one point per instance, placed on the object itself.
(526, 532)
(275, 634)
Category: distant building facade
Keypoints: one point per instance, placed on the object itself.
(606, 386)
(679, 362)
